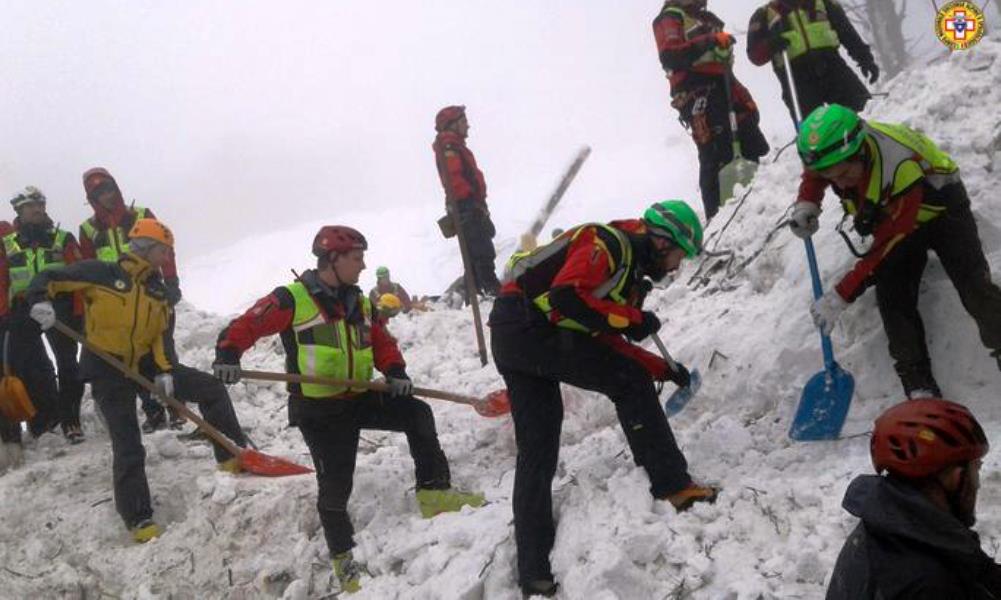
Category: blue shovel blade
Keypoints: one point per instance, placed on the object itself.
(823, 406)
(681, 396)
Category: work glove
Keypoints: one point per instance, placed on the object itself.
(639, 331)
(723, 40)
(164, 383)
(678, 375)
(44, 313)
(173, 285)
(805, 219)
(400, 386)
(870, 70)
(826, 310)
(776, 40)
(226, 367)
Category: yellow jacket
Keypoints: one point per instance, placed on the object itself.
(125, 306)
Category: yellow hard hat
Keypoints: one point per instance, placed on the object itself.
(389, 303)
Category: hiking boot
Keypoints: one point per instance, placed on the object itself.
(683, 500)
(176, 421)
(539, 587)
(348, 572)
(231, 465)
(921, 393)
(433, 502)
(73, 434)
(11, 456)
(145, 531)
(918, 378)
(154, 421)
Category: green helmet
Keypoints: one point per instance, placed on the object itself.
(675, 220)
(831, 134)
(382, 272)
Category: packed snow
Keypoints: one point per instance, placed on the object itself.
(774, 533)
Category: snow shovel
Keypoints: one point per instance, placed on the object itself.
(251, 460)
(827, 395)
(677, 401)
(739, 169)
(824, 404)
(15, 403)
(495, 404)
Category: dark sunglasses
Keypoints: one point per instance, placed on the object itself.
(102, 188)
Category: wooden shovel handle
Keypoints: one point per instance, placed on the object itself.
(146, 384)
(354, 383)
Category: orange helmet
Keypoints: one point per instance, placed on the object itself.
(918, 438)
(152, 229)
(447, 116)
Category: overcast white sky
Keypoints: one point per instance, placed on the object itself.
(230, 118)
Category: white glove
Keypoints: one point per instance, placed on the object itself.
(826, 310)
(164, 383)
(400, 386)
(44, 313)
(804, 221)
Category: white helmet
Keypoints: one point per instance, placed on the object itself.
(28, 194)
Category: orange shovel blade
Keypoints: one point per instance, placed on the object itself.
(496, 404)
(15, 404)
(259, 463)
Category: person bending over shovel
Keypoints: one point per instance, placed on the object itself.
(126, 315)
(561, 317)
(328, 329)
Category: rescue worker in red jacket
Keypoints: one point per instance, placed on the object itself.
(328, 329)
(34, 245)
(905, 192)
(811, 32)
(562, 315)
(466, 192)
(697, 56)
(104, 236)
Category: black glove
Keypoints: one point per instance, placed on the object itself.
(870, 70)
(680, 377)
(639, 331)
(226, 367)
(776, 40)
(173, 285)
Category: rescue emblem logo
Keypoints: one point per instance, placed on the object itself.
(960, 25)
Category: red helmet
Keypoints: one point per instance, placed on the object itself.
(337, 238)
(447, 116)
(918, 438)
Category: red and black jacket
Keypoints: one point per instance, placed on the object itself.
(462, 179)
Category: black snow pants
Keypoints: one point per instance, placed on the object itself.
(823, 78)
(331, 428)
(115, 397)
(66, 351)
(29, 361)
(534, 357)
(706, 111)
(478, 231)
(953, 236)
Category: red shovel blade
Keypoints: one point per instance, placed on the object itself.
(496, 404)
(259, 463)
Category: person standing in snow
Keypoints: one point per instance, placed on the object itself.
(385, 285)
(914, 540)
(328, 329)
(563, 315)
(697, 55)
(906, 193)
(811, 32)
(35, 244)
(466, 194)
(127, 313)
(104, 237)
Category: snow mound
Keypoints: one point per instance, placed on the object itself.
(741, 318)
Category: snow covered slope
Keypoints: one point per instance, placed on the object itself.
(774, 533)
